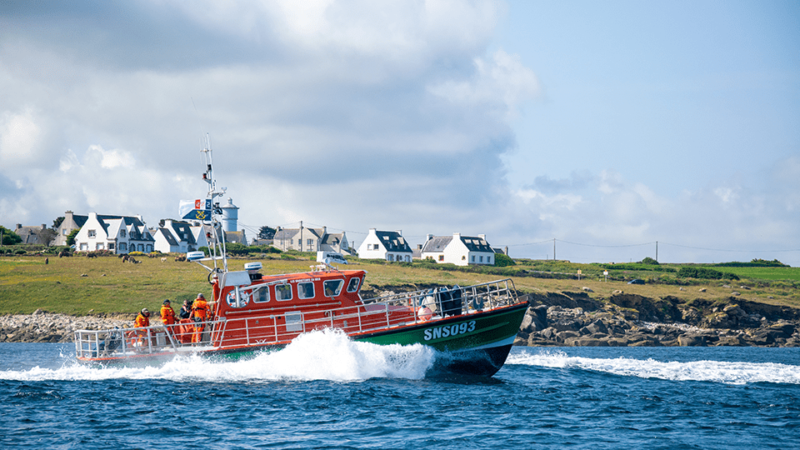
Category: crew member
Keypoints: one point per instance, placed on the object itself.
(168, 315)
(200, 313)
(142, 321)
(186, 310)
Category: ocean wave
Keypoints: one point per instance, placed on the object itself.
(713, 371)
(318, 355)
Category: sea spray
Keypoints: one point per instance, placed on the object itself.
(317, 355)
(729, 372)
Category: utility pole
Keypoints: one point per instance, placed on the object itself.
(656, 251)
(554, 249)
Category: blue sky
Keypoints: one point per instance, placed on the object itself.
(605, 125)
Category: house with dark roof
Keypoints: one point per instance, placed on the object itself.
(385, 245)
(34, 234)
(120, 234)
(178, 237)
(310, 240)
(70, 222)
(458, 250)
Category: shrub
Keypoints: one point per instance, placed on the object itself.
(137, 253)
(705, 273)
(503, 260)
(20, 252)
(650, 261)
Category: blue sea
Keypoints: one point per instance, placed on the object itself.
(325, 391)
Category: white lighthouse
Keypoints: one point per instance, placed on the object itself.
(230, 215)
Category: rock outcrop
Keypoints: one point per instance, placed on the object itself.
(575, 319)
(46, 327)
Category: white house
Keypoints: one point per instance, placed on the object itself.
(120, 234)
(386, 245)
(179, 237)
(458, 250)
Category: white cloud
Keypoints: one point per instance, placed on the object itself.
(351, 114)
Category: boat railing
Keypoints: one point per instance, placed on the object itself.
(426, 305)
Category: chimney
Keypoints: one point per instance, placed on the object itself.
(482, 236)
(419, 246)
(505, 250)
(400, 232)
(168, 223)
(19, 225)
(458, 235)
(428, 237)
(44, 227)
(324, 230)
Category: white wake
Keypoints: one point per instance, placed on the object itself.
(714, 371)
(318, 355)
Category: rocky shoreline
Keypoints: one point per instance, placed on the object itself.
(576, 319)
(553, 319)
(42, 326)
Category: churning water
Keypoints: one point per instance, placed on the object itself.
(325, 391)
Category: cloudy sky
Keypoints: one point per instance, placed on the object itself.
(608, 126)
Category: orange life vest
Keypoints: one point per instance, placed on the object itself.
(167, 315)
(141, 321)
(200, 309)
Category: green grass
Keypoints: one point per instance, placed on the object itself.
(763, 273)
(113, 287)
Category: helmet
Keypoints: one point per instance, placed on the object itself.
(145, 312)
(166, 301)
(200, 295)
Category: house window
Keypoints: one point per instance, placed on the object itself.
(463, 257)
(99, 246)
(141, 247)
(480, 259)
(122, 233)
(64, 232)
(352, 286)
(84, 246)
(333, 287)
(305, 290)
(488, 259)
(309, 242)
(473, 258)
(149, 248)
(441, 257)
(283, 292)
(111, 246)
(92, 233)
(123, 247)
(291, 241)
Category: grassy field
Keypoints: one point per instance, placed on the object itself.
(80, 286)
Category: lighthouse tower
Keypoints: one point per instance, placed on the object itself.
(230, 215)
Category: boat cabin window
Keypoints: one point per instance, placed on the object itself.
(305, 290)
(283, 292)
(333, 287)
(261, 295)
(352, 286)
(237, 298)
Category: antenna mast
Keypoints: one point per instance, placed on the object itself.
(217, 244)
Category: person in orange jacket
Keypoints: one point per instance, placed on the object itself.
(142, 321)
(168, 315)
(200, 313)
